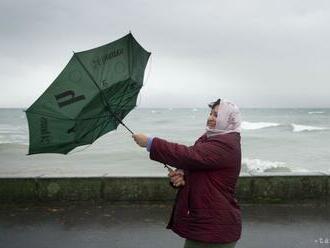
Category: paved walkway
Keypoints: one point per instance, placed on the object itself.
(135, 226)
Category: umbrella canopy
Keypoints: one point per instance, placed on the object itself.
(89, 98)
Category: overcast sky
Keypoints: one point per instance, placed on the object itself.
(257, 53)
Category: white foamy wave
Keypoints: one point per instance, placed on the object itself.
(257, 125)
(15, 139)
(12, 131)
(259, 166)
(6, 131)
(316, 112)
(12, 146)
(301, 128)
(5, 128)
(195, 110)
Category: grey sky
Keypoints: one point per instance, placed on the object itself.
(258, 53)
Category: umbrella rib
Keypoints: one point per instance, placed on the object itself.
(91, 130)
(125, 90)
(48, 115)
(121, 99)
(101, 131)
(126, 104)
(70, 119)
(92, 118)
(91, 77)
(103, 98)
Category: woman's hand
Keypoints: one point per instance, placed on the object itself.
(140, 139)
(177, 177)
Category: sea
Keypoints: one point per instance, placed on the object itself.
(289, 141)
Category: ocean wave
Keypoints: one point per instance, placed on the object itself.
(20, 138)
(259, 166)
(316, 112)
(5, 128)
(9, 132)
(258, 125)
(301, 128)
(13, 146)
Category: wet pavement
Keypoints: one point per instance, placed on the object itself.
(143, 225)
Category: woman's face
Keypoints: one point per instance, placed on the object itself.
(212, 119)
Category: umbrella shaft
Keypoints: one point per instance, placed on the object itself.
(126, 127)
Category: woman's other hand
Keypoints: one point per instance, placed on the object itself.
(177, 177)
(140, 139)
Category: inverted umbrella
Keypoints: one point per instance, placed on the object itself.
(89, 98)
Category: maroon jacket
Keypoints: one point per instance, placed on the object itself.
(205, 208)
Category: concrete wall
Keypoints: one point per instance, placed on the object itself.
(263, 188)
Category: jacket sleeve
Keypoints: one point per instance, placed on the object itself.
(201, 156)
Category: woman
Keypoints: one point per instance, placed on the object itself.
(205, 212)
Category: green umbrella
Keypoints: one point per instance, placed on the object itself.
(89, 98)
